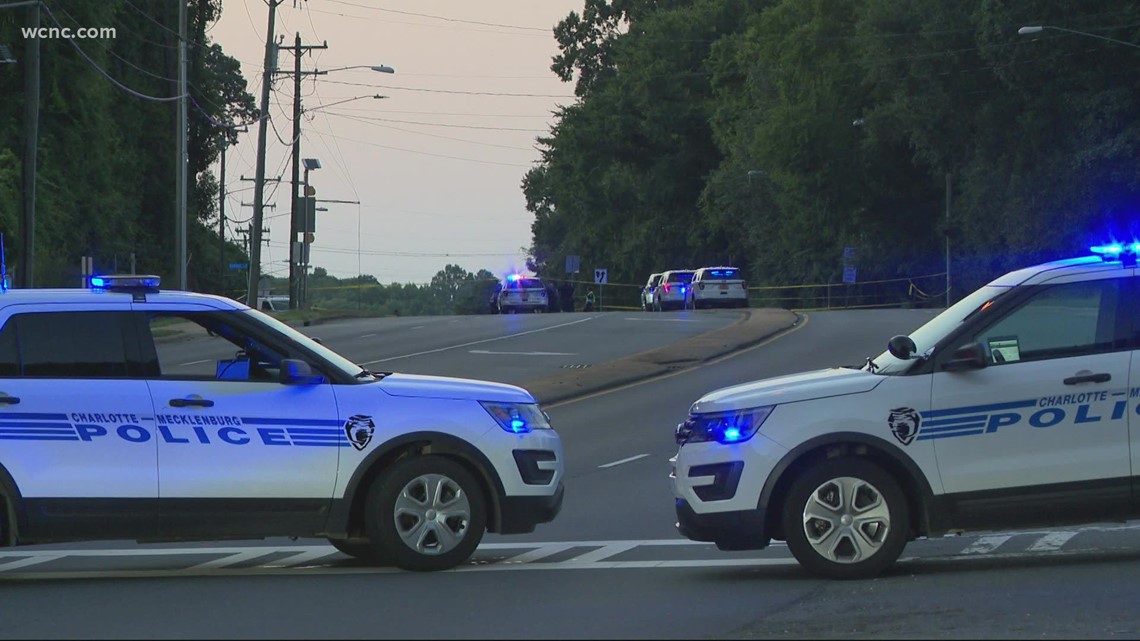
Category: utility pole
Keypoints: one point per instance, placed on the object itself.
(222, 221)
(180, 191)
(298, 49)
(947, 240)
(259, 185)
(31, 136)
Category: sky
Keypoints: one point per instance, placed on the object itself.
(437, 166)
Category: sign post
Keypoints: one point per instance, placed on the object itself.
(601, 276)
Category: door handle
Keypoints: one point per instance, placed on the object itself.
(187, 402)
(9, 400)
(1088, 378)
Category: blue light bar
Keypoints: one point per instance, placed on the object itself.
(513, 277)
(126, 283)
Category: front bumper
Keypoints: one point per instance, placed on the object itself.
(739, 530)
(520, 514)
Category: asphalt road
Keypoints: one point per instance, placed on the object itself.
(610, 566)
(510, 348)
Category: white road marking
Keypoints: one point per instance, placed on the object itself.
(369, 335)
(665, 320)
(23, 563)
(605, 552)
(232, 559)
(541, 553)
(1052, 541)
(487, 351)
(421, 326)
(208, 360)
(301, 558)
(624, 460)
(485, 340)
(987, 544)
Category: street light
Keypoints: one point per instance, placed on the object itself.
(1025, 31)
(294, 281)
(380, 68)
(340, 102)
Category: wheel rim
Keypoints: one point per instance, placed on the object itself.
(432, 514)
(846, 520)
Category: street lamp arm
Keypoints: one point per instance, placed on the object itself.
(340, 102)
(1037, 29)
(380, 68)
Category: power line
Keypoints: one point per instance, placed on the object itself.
(103, 72)
(425, 153)
(465, 93)
(444, 18)
(424, 133)
(434, 124)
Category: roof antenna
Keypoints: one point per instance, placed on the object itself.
(3, 266)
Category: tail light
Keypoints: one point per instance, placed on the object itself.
(666, 288)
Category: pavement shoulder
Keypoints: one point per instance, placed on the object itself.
(755, 326)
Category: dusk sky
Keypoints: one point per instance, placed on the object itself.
(437, 165)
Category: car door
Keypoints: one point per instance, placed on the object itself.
(76, 426)
(239, 452)
(1041, 432)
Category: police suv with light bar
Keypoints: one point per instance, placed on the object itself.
(1019, 406)
(116, 425)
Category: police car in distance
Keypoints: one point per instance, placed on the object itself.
(520, 293)
(672, 290)
(718, 286)
(1019, 406)
(116, 425)
(648, 291)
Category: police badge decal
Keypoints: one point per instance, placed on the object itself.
(905, 424)
(359, 429)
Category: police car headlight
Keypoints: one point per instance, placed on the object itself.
(723, 427)
(517, 418)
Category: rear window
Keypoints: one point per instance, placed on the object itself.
(680, 277)
(525, 283)
(721, 274)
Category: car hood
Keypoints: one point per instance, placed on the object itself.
(415, 385)
(788, 389)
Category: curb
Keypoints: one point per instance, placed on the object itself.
(755, 327)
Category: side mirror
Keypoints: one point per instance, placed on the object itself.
(297, 372)
(317, 340)
(968, 356)
(901, 347)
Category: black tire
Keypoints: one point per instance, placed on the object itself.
(363, 550)
(409, 484)
(856, 551)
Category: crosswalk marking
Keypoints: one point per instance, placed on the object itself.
(987, 544)
(1051, 542)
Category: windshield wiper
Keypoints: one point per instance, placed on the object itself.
(364, 373)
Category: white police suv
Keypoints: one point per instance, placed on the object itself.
(129, 412)
(1019, 406)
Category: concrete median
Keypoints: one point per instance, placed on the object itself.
(754, 326)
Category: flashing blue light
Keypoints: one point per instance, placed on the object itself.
(518, 425)
(513, 277)
(731, 434)
(125, 282)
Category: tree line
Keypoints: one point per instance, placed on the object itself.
(773, 134)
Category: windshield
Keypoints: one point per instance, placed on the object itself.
(720, 274)
(334, 359)
(680, 277)
(938, 327)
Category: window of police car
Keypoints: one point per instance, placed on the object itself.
(67, 345)
(223, 351)
(1065, 320)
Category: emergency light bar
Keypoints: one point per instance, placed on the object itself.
(126, 283)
